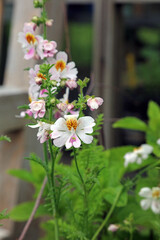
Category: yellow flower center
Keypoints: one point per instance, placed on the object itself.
(40, 75)
(30, 38)
(136, 149)
(72, 123)
(60, 64)
(30, 99)
(156, 193)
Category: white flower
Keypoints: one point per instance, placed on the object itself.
(62, 69)
(152, 199)
(158, 141)
(138, 154)
(69, 130)
(43, 132)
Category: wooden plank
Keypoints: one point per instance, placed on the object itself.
(10, 99)
(55, 32)
(109, 84)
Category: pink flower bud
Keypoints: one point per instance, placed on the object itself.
(38, 80)
(113, 227)
(49, 22)
(71, 84)
(62, 106)
(43, 93)
(94, 103)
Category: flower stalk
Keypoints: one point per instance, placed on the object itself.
(108, 215)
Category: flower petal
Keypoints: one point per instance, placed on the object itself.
(145, 203)
(145, 192)
(61, 141)
(84, 137)
(155, 206)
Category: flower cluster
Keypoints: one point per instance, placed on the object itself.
(35, 46)
(46, 82)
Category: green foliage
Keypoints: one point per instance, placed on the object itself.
(23, 211)
(5, 138)
(148, 71)
(22, 174)
(131, 123)
(149, 36)
(99, 122)
(33, 157)
(110, 194)
(3, 215)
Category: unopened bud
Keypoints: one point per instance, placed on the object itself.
(53, 100)
(62, 83)
(54, 83)
(38, 80)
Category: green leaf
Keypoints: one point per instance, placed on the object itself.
(33, 157)
(132, 123)
(4, 214)
(110, 194)
(5, 138)
(22, 174)
(25, 106)
(23, 211)
(153, 110)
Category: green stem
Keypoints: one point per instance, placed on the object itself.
(108, 215)
(85, 194)
(152, 165)
(44, 24)
(131, 235)
(51, 186)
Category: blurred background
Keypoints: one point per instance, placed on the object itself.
(114, 42)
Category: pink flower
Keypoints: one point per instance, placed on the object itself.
(71, 83)
(62, 106)
(30, 41)
(94, 103)
(38, 108)
(48, 48)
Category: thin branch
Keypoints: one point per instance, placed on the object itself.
(26, 227)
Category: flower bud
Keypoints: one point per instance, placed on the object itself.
(49, 22)
(113, 227)
(54, 83)
(38, 80)
(53, 100)
(37, 4)
(62, 83)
